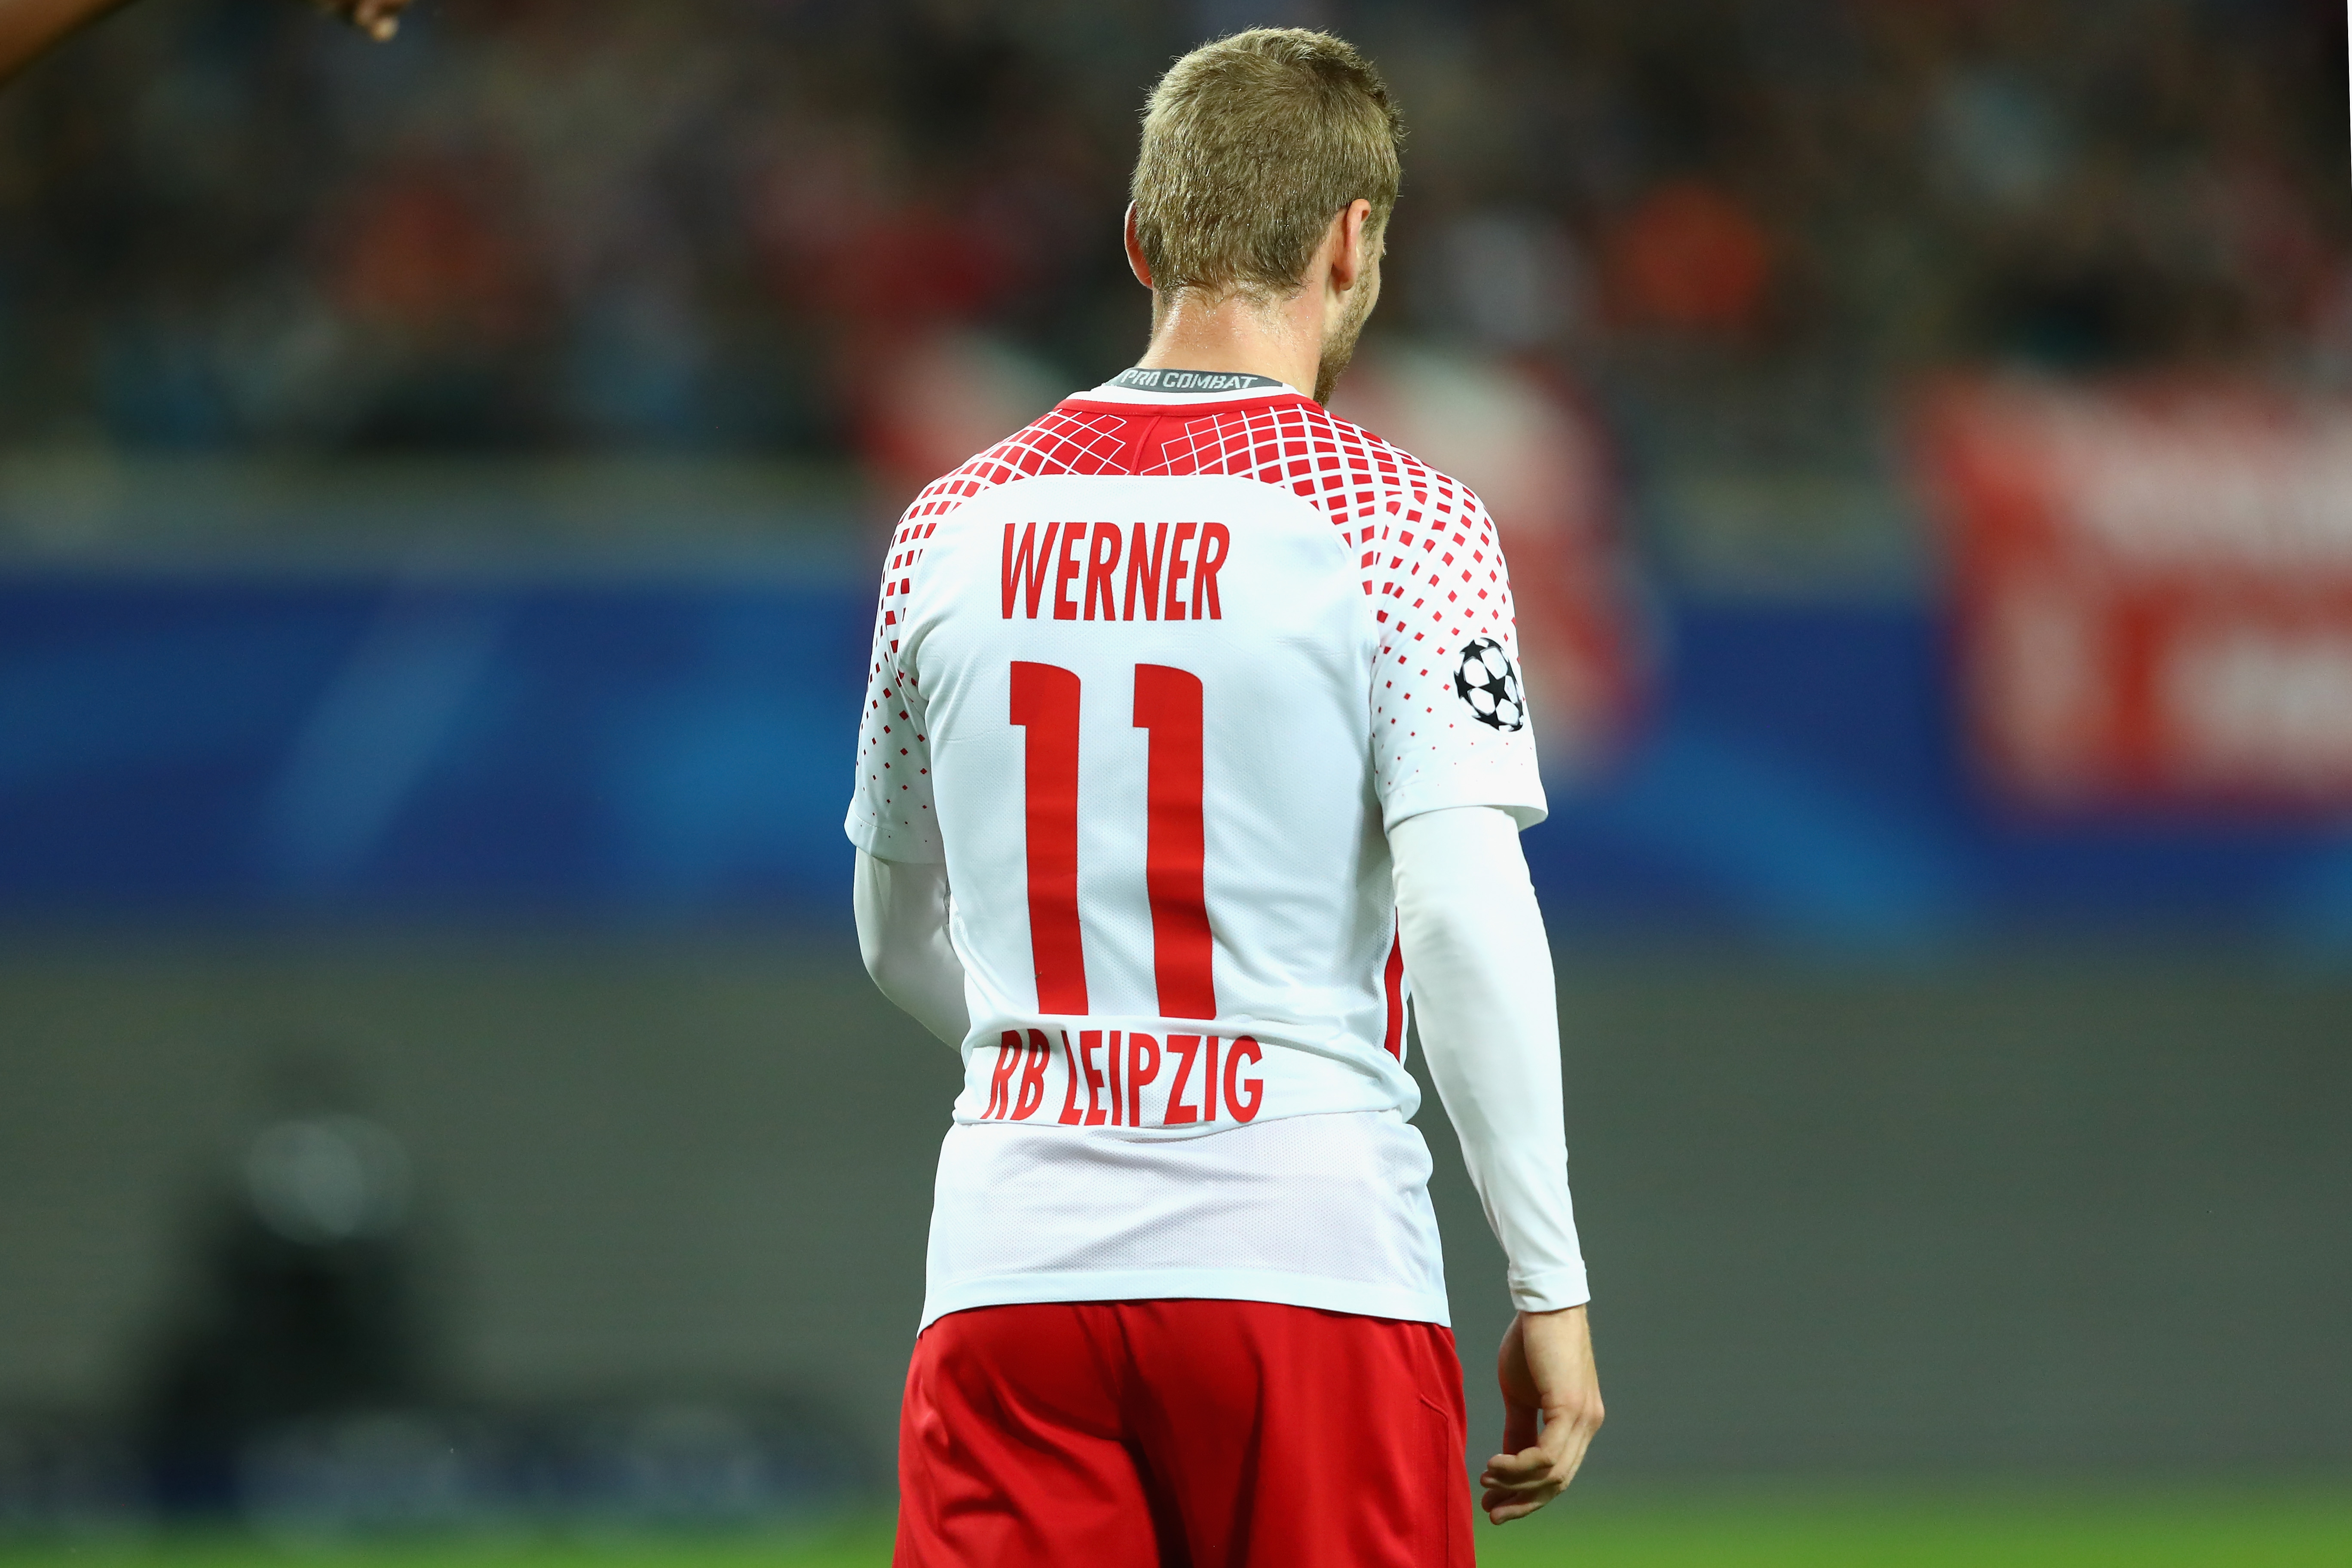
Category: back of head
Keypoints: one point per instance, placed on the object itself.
(1251, 146)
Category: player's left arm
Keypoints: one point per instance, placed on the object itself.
(30, 28)
(1455, 789)
(902, 933)
(1482, 991)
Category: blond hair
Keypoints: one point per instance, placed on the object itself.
(1251, 146)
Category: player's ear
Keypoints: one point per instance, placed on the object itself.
(1135, 260)
(1352, 252)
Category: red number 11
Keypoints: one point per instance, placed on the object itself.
(1166, 706)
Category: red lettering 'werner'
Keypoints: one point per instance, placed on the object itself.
(1165, 581)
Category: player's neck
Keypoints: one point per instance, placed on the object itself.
(1280, 338)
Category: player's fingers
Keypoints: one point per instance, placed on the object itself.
(1529, 1461)
(1516, 1511)
(1501, 1507)
(1515, 1485)
(1521, 1486)
(1541, 1481)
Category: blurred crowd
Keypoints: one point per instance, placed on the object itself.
(529, 225)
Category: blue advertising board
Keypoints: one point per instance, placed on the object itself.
(309, 747)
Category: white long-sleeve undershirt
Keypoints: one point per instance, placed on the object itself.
(902, 934)
(1482, 991)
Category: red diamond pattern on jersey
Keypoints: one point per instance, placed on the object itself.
(1431, 566)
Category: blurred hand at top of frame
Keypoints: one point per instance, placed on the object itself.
(379, 19)
(1546, 1369)
(30, 28)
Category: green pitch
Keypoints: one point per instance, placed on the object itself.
(2310, 1527)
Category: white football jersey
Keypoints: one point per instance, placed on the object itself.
(1153, 676)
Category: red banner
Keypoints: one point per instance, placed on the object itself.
(2154, 590)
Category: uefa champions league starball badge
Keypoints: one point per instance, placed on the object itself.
(1487, 680)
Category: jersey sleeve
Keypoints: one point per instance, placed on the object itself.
(1450, 719)
(891, 813)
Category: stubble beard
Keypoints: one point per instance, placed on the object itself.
(1339, 344)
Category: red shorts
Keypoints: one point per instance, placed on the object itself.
(1183, 1434)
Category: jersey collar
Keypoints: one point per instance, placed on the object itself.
(1188, 386)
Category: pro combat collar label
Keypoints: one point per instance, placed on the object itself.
(1140, 380)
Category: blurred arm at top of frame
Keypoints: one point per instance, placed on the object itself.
(29, 27)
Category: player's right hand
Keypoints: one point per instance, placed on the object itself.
(379, 19)
(1546, 1369)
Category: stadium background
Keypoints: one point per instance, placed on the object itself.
(439, 490)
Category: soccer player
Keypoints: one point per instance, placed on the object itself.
(1193, 745)
(28, 27)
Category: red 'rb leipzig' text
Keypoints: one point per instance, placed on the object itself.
(1105, 1073)
(1170, 575)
